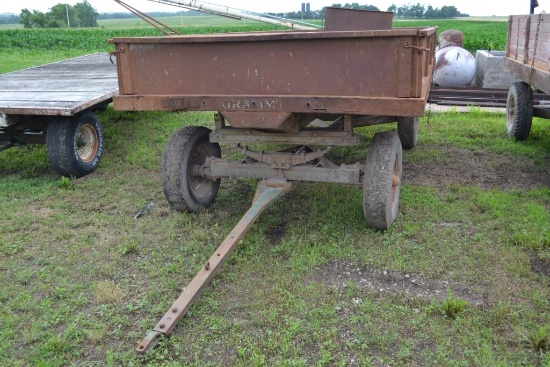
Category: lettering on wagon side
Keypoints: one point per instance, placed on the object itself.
(273, 104)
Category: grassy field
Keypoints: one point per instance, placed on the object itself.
(461, 279)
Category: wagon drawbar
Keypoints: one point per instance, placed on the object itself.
(305, 90)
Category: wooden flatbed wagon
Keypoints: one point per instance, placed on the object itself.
(279, 88)
(54, 104)
(528, 59)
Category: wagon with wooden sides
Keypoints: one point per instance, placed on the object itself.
(54, 104)
(528, 59)
(305, 90)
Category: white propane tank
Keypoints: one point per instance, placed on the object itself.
(454, 67)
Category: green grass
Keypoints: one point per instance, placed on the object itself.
(82, 281)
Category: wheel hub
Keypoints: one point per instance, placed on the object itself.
(200, 185)
(86, 142)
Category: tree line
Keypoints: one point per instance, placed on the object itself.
(405, 11)
(61, 16)
(84, 15)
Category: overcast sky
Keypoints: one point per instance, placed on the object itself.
(473, 8)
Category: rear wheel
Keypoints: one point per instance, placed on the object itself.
(184, 187)
(519, 111)
(407, 128)
(382, 180)
(74, 146)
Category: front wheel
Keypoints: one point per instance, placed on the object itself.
(184, 187)
(382, 180)
(74, 146)
(519, 111)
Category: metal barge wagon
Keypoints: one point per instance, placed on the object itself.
(278, 88)
(268, 87)
(54, 104)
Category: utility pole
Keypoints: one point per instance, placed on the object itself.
(67, 11)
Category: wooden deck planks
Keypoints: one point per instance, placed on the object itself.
(62, 88)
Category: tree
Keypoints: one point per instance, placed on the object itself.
(86, 14)
(370, 7)
(34, 19)
(431, 13)
(352, 6)
(449, 12)
(417, 11)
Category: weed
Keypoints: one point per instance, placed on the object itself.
(452, 307)
(129, 247)
(66, 183)
(97, 333)
(539, 338)
(109, 293)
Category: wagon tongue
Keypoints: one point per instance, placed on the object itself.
(267, 193)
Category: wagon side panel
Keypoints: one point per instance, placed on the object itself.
(368, 72)
(335, 67)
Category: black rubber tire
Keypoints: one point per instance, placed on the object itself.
(407, 128)
(382, 180)
(185, 152)
(74, 145)
(519, 111)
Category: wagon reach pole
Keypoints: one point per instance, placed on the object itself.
(267, 193)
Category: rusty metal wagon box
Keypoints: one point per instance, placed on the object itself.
(358, 72)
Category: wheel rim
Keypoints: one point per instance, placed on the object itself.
(86, 142)
(200, 185)
(510, 113)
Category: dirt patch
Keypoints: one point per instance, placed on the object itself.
(339, 274)
(484, 170)
(274, 234)
(540, 266)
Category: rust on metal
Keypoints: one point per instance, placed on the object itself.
(301, 156)
(451, 37)
(341, 19)
(312, 136)
(258, 80)
(267, 193)
(322, 172)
